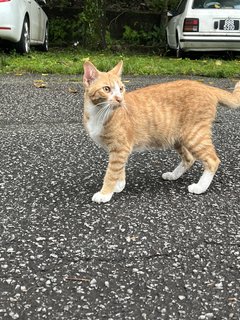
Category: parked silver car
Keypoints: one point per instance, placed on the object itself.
(204, 25)
(23, 23)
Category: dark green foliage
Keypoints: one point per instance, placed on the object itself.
(61, 3)
(65, 31)
(3, 62)
(94, 23)
(154, 37)
(155, 4)
(89, 27)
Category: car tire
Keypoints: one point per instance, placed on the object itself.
(23, 46)
(44, 46)
(179, 51)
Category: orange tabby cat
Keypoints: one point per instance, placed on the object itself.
(176, 114)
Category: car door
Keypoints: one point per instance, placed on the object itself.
(42, 20)
(35, 21)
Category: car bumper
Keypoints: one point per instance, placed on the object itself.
(9, 34)
(210, 42)
(9, 30)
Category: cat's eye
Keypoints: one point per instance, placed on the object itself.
(121, 89)
(107, 89)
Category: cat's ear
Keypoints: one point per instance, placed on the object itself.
(91, 73)
(117, 70)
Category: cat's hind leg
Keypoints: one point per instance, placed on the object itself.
(211, 162)
(176, 173)
(184, 165)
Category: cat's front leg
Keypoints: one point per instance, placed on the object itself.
(120, 184)
(101, 197)
(114, 180)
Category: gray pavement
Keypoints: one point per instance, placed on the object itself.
(154, 252)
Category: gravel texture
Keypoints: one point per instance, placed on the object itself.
(154, 252)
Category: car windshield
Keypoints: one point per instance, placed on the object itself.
(220, 4)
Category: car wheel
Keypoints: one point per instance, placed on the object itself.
(179, 50)
(23, 46)
(44, 46)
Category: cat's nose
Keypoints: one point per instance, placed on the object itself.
(118, 99)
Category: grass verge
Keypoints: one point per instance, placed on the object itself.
(69, 61)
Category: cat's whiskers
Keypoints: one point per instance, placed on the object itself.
(101, 104)
(124, 107)
(100, 115)
(107, 113)
(103, 113)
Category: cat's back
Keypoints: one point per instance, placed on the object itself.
(175, 93)
(177, 86)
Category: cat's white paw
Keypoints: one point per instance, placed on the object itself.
(168, 176)
(120, 185)
(99, 197)
(196, 188)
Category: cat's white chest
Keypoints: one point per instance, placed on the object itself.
(94, 123)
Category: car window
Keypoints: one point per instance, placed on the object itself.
(219, 4)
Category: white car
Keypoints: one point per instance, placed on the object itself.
(204, 25)
(23, 23)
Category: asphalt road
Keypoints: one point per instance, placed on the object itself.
(154, 252)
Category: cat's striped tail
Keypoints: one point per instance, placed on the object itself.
(231, 100)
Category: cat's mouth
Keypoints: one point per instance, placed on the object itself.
(115, 105)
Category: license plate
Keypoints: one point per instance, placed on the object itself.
(229, 24)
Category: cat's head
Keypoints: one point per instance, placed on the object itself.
(104, 87)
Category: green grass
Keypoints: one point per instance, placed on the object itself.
(69, 61)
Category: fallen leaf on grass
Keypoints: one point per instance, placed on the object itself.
(218, 63)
